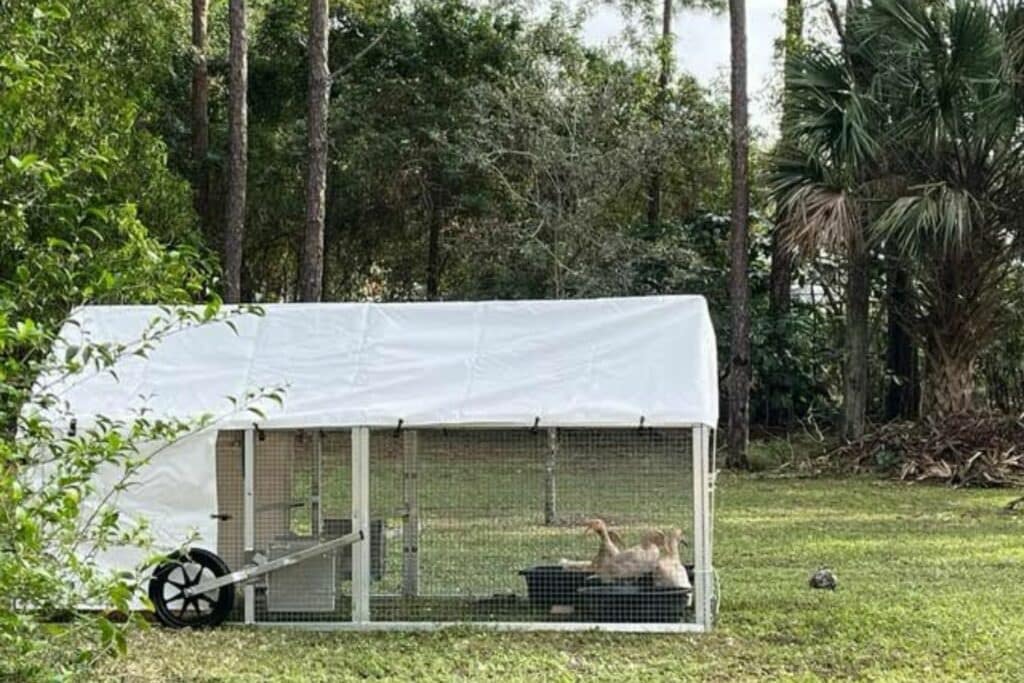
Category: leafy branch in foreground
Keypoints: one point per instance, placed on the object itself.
(54, 518)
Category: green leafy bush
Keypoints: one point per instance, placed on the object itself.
(79, 172)
(50, 536)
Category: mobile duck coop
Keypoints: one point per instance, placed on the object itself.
(523, 465)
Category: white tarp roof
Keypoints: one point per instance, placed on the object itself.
(597, 362)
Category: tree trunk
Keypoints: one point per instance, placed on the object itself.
(739, 287)
(237, 152)
(780, 277)
(793, 41)
(311, 271)
(200, 115)
(855, 371)
(779, 403)
(960, 320)
(434, 248)
(902, 390)
(664, 74)
(949, 383)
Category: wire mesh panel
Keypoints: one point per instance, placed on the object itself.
(301, 497)
(476, 525)
(533, 525)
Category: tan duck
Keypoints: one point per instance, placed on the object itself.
(634, 562)
(611, 545)
(670, 572)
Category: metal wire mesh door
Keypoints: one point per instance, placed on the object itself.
(548, 525)
(301, 497)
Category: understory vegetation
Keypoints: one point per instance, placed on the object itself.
(962, 450)
(927, 584)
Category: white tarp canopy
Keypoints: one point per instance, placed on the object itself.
(598, 362)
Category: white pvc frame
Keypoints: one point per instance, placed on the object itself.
(249, 516)
(704, 585)
(361, 521)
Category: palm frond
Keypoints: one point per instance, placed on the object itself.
(975, 47)
(933, 216)
(829, 112)
(910, 25)
(815, 212)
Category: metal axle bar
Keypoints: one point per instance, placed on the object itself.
(252, 571)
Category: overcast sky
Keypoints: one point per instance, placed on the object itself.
(702, 48)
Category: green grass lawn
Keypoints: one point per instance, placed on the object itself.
(931, 588)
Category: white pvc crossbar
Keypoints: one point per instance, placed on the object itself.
(486, 626)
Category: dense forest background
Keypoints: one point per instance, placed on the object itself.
(482, 150)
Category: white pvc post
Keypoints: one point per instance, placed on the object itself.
(361, 521)
(411, 525)
(249, 517)
(550, 488)
(316, 516)
(703, 573)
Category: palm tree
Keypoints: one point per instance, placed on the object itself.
(955, 212)
(822, 182)
(910, 136)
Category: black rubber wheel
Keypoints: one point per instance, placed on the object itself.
(182, 570)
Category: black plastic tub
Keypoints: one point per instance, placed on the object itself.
(632, 602)
(552, 584)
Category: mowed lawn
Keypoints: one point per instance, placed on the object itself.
(931, 587)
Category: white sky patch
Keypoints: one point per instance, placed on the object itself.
(702, 48)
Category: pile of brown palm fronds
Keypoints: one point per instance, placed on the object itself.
(961, 450)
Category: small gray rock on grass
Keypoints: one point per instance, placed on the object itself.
(824, 578)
